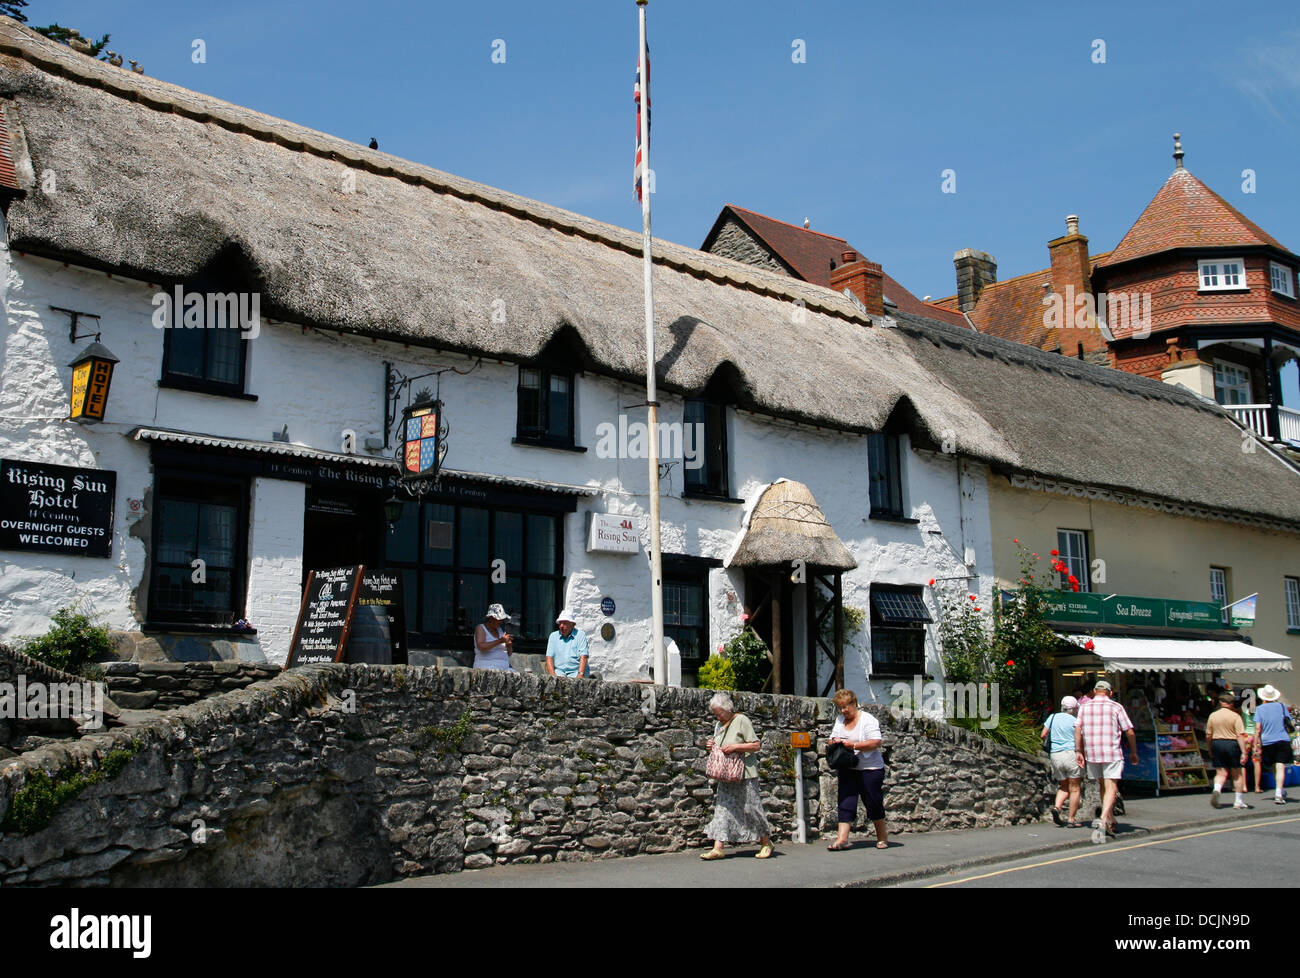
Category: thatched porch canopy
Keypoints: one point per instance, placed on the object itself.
(788, 525)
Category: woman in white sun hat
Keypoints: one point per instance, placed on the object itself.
(491, 643)
(1271, 721)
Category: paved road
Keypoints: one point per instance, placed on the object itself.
(932, 856)
(1259, 852)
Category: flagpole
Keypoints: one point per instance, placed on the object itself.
(660, 654)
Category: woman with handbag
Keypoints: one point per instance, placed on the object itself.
(738, 814)
(858, 731)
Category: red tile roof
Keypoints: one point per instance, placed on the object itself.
(1013, 308)
(810, 254)
(1188, 214)
(8, 176)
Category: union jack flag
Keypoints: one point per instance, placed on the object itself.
(636, 96)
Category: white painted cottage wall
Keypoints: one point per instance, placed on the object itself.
(319, 384)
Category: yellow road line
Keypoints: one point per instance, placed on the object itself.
(1255, 823)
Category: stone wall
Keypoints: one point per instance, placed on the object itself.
(734, 241)
(166, 685)
(351, 774)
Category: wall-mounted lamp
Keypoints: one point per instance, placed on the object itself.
(92, 374)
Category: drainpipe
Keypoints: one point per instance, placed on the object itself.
(965, 505)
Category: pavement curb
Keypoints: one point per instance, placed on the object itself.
(974, 862)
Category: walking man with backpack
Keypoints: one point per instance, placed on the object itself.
(1101, 725)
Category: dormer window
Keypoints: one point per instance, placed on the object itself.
(1222, 274)
(1282, 278)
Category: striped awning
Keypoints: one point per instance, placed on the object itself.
(1124, 654)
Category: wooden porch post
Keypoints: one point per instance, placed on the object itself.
(838, 598)
(777, 638)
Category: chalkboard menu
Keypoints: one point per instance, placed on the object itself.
(56, 509)
(379, 621)
(325, 618)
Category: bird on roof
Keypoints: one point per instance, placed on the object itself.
(137, 68)
(114, 59)
(374, 143)
(807, 223)
(78, 43)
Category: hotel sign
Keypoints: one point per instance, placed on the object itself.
(1068, 608)
(56, 508)
(613, 533)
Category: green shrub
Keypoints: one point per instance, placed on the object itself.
(1019, 731)
(749, 661)
(716, 673)
(72, 641)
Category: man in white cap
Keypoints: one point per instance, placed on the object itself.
(566, 649)
(1097, 734)
(1271, 719)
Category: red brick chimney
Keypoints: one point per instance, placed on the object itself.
(863, 278)
(1071, 278)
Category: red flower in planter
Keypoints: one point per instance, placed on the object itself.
(932, 582)
(1015, 541)
(744, 616)
(1011, 662)
(1056, 553)
(971, 596)
(1090, 645)
(977, 607)
(1074, 587)
(1072, 579)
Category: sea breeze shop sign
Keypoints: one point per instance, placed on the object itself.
(1127, 609)
(56, 509)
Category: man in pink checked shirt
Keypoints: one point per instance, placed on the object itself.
(1101, 725)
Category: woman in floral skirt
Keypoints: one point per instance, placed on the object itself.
(738, 811)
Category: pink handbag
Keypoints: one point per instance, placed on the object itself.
(724, 767)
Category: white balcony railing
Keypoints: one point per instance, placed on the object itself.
(1255, 417)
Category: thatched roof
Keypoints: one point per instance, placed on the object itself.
(787, 525)
(158, 182)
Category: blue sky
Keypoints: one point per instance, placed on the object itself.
(856, 137)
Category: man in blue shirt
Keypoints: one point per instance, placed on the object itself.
(1271, 719)
(566, 649)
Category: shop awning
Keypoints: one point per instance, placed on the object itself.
(386, 464)
(1123, 654)
(899, 607)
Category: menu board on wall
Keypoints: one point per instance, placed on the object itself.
(325, 618)
(379, 621)
(56, 508)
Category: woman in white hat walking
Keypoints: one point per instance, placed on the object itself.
(491, 643)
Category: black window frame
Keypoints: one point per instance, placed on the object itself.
(681, 573)
(197, 486)
(540, 434)
(885, 452)
(206, 284)
(895, 638)
(712, 479)
(416, 570)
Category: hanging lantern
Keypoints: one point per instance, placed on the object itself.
(423, 441)
(92, 373)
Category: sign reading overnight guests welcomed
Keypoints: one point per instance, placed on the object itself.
(1125, 609)
(56, 509)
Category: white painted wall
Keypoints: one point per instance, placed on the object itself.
(321, 383)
